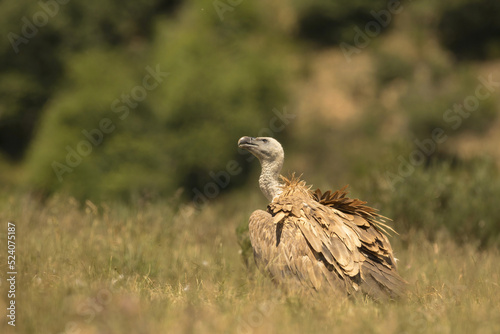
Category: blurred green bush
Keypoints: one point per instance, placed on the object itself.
(460, 197)
(221, 84)
(449, 103)
(327, 23)
(470, 29)
(39, 40)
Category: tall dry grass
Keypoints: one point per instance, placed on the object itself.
(158, 268)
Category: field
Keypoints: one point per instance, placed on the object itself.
(171, 268)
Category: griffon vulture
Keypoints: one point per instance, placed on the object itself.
(314, 240)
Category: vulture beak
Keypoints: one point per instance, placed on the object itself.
(246, 142)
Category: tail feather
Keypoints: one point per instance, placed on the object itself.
(381, 282)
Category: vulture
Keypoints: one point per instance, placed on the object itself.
(322, 241)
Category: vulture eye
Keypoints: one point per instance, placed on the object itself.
(265, 140)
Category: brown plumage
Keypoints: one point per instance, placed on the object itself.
(320, 241)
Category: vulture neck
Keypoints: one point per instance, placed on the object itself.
(269, 178)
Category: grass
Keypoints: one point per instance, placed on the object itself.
(160, 268)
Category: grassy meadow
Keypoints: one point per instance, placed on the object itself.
(168, 268)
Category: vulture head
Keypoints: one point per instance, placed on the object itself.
(270, 154)
(266, 149)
